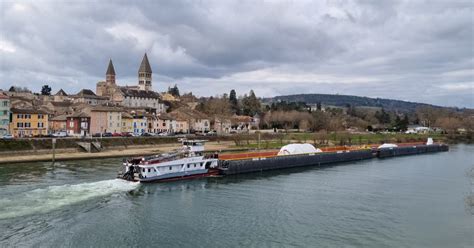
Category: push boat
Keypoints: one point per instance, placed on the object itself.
(189, 161)
(186, 162)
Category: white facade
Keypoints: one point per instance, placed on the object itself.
(134, 102)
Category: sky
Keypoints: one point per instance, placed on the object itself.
(421, 51)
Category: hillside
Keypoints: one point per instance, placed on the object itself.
(356, 101)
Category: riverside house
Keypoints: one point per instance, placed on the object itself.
(4, 114)
(28, 122)
(78, 124)
(104, 119)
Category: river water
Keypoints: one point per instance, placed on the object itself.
(413, 201)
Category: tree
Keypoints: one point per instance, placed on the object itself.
(174, 91)
(46, 90)
(234, 103)
(250, 104)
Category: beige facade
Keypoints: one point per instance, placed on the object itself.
(114, 121)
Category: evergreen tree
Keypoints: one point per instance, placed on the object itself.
(234, 103)
(250, 104)
(46, 90)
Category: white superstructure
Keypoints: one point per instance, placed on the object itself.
(187, 161)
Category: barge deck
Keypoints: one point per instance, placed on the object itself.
(230, 164)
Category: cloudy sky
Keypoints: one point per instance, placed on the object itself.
(409, 50)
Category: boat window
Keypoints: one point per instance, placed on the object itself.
(170, 168)
(143, 169)
(201, 164)
(188, 165)
(149, 170)
(194, 165)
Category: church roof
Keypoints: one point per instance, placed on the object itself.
(145, 65)
(139, 93)
(86, 92)
(110, 68)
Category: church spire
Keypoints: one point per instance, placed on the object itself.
(145, 65)
(110, 74)
(110, 69)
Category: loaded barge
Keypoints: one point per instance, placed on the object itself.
(190, 161)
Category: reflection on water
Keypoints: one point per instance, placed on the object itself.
(415, 201)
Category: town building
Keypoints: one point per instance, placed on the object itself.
(78, 124)
(58, 123)
(221, 124)
(127, 123)
(60, 96)
(197, 121)
(28, 122)
(166, 123)
(104, 119)
(4, 114)
(139, 124)
(89, 97)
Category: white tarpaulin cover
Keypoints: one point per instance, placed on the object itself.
(292, 149)
(429, 141)
(386, 145)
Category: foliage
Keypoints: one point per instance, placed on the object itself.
(250, 104)
(174, 90)
(46, 90)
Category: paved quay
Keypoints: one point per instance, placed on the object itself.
(107, 153)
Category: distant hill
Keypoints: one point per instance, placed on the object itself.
(356, 101)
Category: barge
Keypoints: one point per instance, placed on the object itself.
(190, 162)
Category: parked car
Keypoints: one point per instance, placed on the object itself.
(60, 134)
(7, 136)
(164, 134)
(126, 134)
(147, 134)
(117, 134)
(107, 135)
(96, 135)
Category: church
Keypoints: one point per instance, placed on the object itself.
(140, 96)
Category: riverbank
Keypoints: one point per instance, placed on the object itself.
(130, 151)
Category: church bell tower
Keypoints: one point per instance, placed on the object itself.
(144, 74)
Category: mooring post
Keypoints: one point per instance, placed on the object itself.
(54, 149)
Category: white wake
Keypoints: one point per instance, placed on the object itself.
(54, 197)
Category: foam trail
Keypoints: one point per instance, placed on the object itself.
(54, 197)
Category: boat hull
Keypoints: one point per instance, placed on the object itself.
(180, 176)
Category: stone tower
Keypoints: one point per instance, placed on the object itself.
(144, 74)
(110, 74)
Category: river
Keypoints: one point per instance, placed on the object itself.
(413, 201)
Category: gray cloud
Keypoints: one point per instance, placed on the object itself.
(409, 50)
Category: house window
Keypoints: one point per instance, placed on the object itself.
(19, 116)
(71, 124)
(40, 116)
(19, 124)
(5, 103)
(27, 124)
(40, 124)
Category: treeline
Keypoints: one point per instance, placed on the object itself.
(300, 115)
